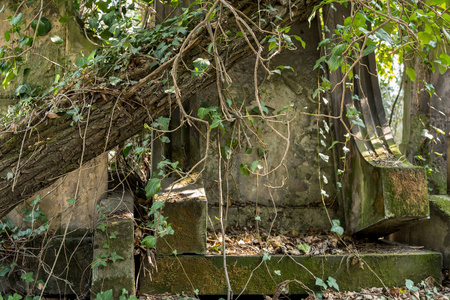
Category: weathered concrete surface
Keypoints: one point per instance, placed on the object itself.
(249, 197)
(86, 185)
(186, 211)
(186, 273)
(433, 233)
(4, 104)
(43, 71)
(381, 199)
(70, 276)
(114, 247)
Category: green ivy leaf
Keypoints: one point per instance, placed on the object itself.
(15, 20)
(71, 201)
(4, 269)
(153, 186)
(202, 112)
(335, 62)
(114, 256)
(384, 36)
(411, 73)
(126, 149)
(324, 157)
(244, 168)
(337, 227)
(358, 122)
(56, 39)
(410, 285)
(108, 295)
(44, 26)
(332, 283)
(304, 247)
(255, 165)
(200, 65)
(319, 61)
(215, 123)
(321, 283)
(28, 277)
(149, 241)
(114, 80)
(369, 49)
(102, 227)
(161, 122)
(332, 144)
(300, 40)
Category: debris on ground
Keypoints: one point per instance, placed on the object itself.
(249, 241)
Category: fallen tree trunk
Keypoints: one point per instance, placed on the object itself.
(45, 148)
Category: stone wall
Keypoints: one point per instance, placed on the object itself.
(298, 205)
(87, 185)
(45, 53)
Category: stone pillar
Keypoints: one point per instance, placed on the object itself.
(85, 185)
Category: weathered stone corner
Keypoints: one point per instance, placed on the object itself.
(186, 212)
(433, 233)
(113, 262)
(382, 199)
(206, 274)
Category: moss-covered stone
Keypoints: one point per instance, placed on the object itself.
(116, 240)
(69, 274)
(187, 218)
(405, 190)
(248, 274)
(443, 202)
(380, 199)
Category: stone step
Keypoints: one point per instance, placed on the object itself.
(252, 275)
(114, 247)
(433, 233)
(185, 208)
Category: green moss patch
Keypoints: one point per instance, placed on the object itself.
(253, 276)
(443, 202)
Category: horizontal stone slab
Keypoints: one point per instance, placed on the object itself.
(252, 275)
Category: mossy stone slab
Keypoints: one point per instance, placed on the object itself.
(250, 275)
(380, 200)
(74, 258)
(116, 240)
(433, 233)
(187, 217)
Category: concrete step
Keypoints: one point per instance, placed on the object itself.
(113, 257)
(253, 275)
(433, 233)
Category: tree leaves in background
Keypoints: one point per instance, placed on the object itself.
(44, 26)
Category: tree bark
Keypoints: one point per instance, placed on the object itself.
(45, 149)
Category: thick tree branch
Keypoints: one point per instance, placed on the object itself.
(52, 147)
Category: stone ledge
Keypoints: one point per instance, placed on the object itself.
(175, 274)
(115, 246)
(433, 233)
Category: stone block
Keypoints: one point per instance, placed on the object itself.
(186, 211)
(247, 275)
(71, 257)
(88, 184)
(381, 199)
(433, 233)
(188, 220)
(113, 262)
